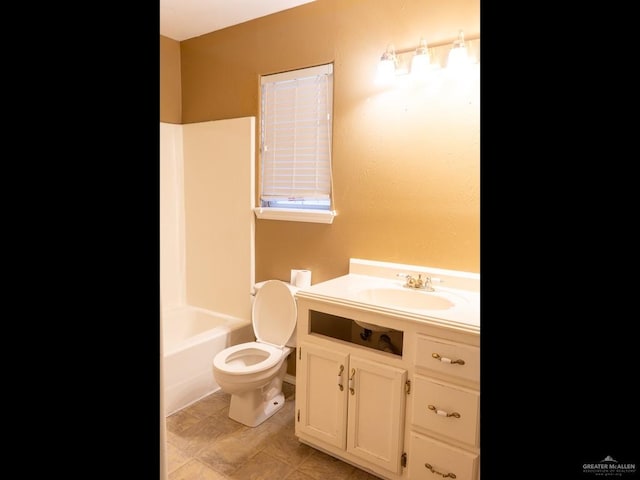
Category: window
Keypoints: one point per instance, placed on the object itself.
(295, 145)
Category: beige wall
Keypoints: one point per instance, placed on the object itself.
(406, 161)
(170, 84)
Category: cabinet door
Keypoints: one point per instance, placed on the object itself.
(376, 412)
(321, 394)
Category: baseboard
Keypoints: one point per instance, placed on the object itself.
(290, 378)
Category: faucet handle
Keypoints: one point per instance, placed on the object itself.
(427, 284)
(410, 281)
(406, 276)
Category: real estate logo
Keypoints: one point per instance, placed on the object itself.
(608, 467)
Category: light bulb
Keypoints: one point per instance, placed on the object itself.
(458, 59)
(387, 66)
(420, 60)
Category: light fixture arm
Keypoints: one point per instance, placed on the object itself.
(459, 42)
(422, 47)
(390, 54)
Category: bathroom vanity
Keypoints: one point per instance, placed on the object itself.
(387, 376)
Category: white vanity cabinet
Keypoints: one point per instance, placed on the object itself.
(351, 403)
(392, 390)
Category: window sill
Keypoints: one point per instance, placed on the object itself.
(295, 215)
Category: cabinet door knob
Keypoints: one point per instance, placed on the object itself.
(442, 412)
(447, 360)
(340, 377)
(444, 475)
(353, 374)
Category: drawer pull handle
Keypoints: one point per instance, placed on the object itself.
(447, 360)
(442, 412)
(444, 475)
(340, 377)
(351, 389)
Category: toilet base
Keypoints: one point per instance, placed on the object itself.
(253, 407)
(252, 415)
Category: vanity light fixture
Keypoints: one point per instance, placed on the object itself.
(424, 59)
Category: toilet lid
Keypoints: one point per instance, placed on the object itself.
(274, 313)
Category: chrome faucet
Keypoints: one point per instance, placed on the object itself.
(417, 283)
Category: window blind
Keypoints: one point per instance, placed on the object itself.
(296, 137)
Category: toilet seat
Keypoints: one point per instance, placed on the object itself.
(224, 361)
(274, 317)
(274, 313)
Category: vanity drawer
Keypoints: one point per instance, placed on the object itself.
(429, 459)
(455, 359)
(461, 405)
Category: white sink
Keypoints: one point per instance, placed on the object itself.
(406, 298)
(402, 298)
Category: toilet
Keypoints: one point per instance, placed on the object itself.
(253, 372)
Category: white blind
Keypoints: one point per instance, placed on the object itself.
(296, 135)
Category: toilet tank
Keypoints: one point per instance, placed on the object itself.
(292, 342)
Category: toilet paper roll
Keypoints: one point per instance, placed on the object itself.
(294, 274)
(303, 279)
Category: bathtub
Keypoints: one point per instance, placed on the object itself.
(191, 337)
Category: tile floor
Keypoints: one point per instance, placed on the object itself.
(203, 443)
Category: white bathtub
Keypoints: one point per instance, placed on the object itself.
(191, 338)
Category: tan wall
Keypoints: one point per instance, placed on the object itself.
(406, 162)
(170, 84)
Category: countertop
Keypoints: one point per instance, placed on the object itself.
(350, 290)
